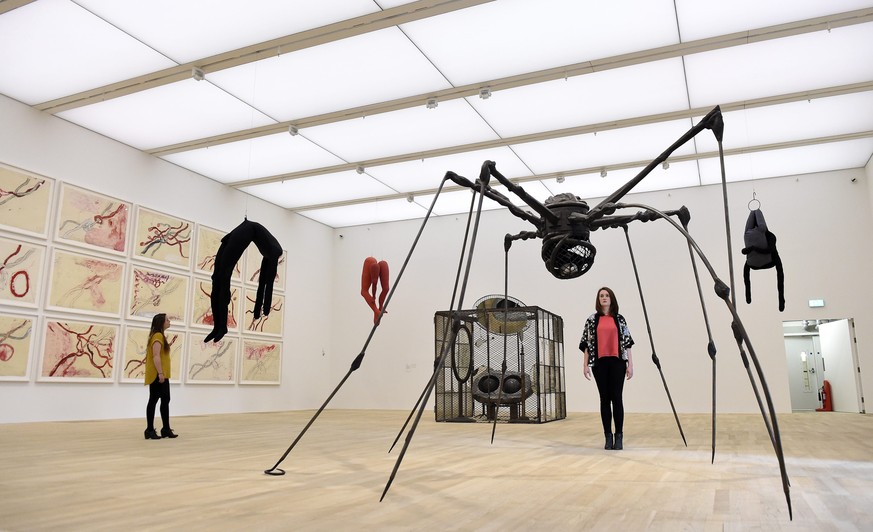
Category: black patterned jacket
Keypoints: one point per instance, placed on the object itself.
(589, 337)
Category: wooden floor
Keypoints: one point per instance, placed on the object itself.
(102, 475)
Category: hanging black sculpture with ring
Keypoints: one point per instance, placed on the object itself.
(564, 224)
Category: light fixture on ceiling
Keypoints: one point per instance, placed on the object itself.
(603, 173)
(198, 74)
(410, 198)
(359, 170)
(560, 178)
(432, 103)
(485, 93)
(666, 165)
(293, 131)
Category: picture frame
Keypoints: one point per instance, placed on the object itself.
(253, 258)
(152, 291)
(201, 305)
(77, 351)
(85, 284)
(92, 220)
(25, 201)
(208, 242)
(261, 362)
(271, 324)
(211, 362)
(21, 272)
(132, 361)
(164, 239)
(17, 346)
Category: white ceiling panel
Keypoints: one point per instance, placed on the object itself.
(412, 130)
(328, 188)
(168, 114)
(510, 37)
(193, 29)
(699, 19)
(367, 213)
(640, 143)
(454, 202)
(791, 161)
(850, 113)
(592, 187)
(801, 62)
(365, 69)
(647, 88)
(428, 173)
(255, 158)
(54, 48)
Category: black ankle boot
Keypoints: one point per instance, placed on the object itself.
(619, 445)
(608, 444)
(150, 434)
(168, 433)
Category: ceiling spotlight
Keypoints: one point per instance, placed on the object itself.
(198, 74)
(432, 103)
(485, 93)
(359, 170)
(410, 198)
(293, 131)
(666, 165)
(560, 178)
(603, 173)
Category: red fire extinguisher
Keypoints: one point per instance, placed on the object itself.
(824, 395)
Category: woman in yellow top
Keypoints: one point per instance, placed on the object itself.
(157, 378)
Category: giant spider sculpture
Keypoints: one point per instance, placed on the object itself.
(564, 223)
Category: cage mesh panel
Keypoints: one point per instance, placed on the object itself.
(533, 385)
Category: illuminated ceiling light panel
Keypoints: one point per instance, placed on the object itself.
(321, 189)
(532, 36)
(195, 29)
(365, 69)
(399, 132)
(54, 48)
(801, 62)
(638, 90)
(455, 202)
(791, 161)
(592, 187)
(168, 114)
(255, 158)
(640, 143)
(367, 213)
(427, 174)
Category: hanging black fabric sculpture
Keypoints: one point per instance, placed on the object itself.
(229, 252)
(761, 254)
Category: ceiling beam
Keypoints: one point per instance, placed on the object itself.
(291, 43)
(596, 170)
(825, 23)
(566, 132)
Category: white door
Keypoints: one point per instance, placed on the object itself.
(840, 365)
(804, 373)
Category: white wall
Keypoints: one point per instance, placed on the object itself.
(47, 145)
(821, 221)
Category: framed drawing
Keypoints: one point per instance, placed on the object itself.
(261, 362)
(253, 260)
(270, 324)
(75, 351)
(81, 283)
(208, 241)
(135, 350)
(16, 346)
(21, 267)
(152, 291)
(162, 238)
(211, 362)
(24, 202)
(92, 220)
(201, 305)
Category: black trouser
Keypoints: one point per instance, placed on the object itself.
(162, 392)
(609, 373)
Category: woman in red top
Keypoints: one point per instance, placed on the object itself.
(606, 342)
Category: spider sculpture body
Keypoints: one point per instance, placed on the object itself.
(564, 224)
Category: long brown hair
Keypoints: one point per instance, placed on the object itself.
(613, 302)
(158, 326)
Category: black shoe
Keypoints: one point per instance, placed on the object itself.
(168, 433)
(619, 444)
(608, 445)
(150, 434)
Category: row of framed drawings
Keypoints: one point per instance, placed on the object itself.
(84, 351)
